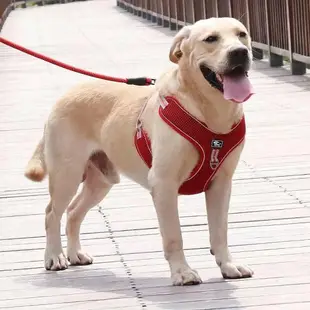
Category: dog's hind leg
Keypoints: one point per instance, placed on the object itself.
(100, 176)
(65, 167)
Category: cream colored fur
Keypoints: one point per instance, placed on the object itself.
(89, 136)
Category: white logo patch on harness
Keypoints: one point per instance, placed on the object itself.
(217, 144)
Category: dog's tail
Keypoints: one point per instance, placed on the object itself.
(36, 167)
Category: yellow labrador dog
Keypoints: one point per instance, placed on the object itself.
(101, 129)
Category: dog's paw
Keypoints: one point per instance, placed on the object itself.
(185, 276)
(56, 262)
(79, 258)
(233, 271)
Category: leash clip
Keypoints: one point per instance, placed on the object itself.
(141, 81)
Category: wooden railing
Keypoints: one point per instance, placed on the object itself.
(6, 6)
(279, 28)
(25, 3)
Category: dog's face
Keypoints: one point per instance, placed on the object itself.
(219, 45)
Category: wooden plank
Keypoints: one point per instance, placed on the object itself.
(269, 215)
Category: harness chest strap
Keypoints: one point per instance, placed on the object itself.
(212, 147)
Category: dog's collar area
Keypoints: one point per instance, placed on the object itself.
(210, 76)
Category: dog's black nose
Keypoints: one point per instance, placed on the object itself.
(238, 56)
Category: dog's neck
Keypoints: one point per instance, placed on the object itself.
(204, 101)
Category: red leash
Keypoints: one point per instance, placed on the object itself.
(141, 81)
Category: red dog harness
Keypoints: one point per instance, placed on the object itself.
(213, 147)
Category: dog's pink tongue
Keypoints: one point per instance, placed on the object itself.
(237, 89)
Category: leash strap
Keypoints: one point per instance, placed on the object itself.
(141, 81)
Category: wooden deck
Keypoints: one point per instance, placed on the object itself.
(269, 215)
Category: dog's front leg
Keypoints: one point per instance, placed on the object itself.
(165, 196)
(217, 199)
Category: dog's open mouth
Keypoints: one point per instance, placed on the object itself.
(234, 83)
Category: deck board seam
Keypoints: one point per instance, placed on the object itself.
(128, 271)
(273, 182)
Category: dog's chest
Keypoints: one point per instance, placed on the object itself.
(213, 148)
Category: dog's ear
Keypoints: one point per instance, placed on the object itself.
(175, 50)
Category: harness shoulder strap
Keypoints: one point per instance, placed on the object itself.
(181, 121)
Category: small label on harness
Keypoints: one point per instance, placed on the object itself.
(139, 133)
(139, 129)
(163, 102)
(217, 144)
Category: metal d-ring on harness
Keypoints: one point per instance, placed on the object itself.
(140, 81)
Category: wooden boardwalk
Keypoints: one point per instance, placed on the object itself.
(269, 215)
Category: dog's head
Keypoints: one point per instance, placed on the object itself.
(220, 50)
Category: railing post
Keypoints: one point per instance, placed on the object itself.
(174, 26)
(166, 23)
(160, 19)
(297, 67)
(216, 8)
(193, 10)
(148, 11)
(154, 18)
(204, 10)
(130, 7)
(229, 8)
(144, 7)
(169, 15)
(257, 52)
(140, 8)
(13, 5)
(126, 6)
(134, 8)
(274, 59)
(184, 12)
(247, 10)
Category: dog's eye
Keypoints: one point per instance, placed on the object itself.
(211, 39)
(242, 34)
